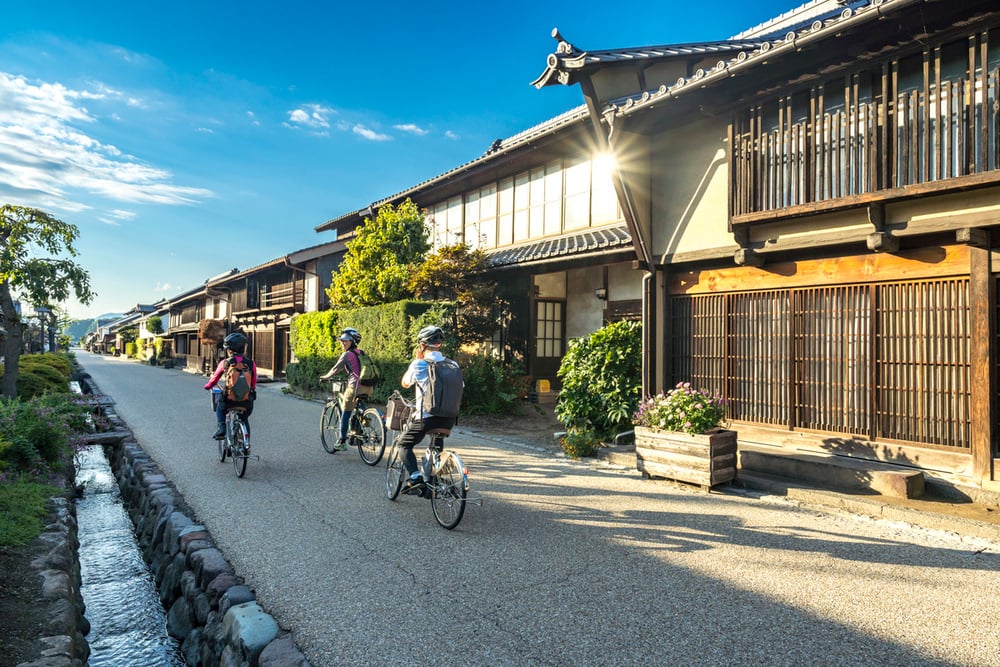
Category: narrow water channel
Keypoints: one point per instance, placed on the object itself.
(127, 622)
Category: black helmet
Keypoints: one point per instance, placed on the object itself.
(431, 336)
(236, 342)
(351, 334)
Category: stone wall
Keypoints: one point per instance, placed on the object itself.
(61, 606)
(210, 611)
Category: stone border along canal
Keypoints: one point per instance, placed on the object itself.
(214, 618)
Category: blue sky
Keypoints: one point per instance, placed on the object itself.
(187, 138)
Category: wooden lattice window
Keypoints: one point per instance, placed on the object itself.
(881, 360)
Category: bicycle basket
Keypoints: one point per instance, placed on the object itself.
(397, 413)
(336, 386)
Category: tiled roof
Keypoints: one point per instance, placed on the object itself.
(821, 27)
(588, 241)
(561, 65)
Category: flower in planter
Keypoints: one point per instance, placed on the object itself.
(681, 409)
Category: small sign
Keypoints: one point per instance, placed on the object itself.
(544, 387)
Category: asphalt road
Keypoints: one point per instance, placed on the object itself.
(566, 563)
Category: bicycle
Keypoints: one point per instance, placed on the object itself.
(445, 476)
(236, 441)
(366, 430)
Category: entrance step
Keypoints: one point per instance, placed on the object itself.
(834, 472)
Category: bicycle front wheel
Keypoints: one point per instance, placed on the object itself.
(240, 448)
(371, 442)
(393, 472)
(448, 491)
(223, 446)
(329, 426)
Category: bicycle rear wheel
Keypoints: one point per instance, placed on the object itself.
(393, 472)
(329, 426)
(240, 448)
(371, 441)
(448, 491)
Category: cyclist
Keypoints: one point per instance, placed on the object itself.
(235, 346)
(350, 363)
(429, 341)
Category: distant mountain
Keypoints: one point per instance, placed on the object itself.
(77, 329)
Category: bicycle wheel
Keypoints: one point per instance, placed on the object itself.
(371, 441)
(240, 448)
(329, 426)
(393, 472)
(448, 491)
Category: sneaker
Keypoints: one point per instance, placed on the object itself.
(220, 432)
(414, 486)
(341, 444)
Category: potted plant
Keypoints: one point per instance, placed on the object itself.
(678, 435)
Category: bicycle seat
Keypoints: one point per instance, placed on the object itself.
(237, 409)
(443, 432)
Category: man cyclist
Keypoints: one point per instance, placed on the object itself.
(429, 341)
(350, 363)
(235, 346)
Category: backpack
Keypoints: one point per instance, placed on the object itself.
(238, 379)
(369, 375)
(443, 396)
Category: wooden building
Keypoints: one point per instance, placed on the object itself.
(542, 206)
(815, 219)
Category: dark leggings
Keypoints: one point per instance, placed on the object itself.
(414, 433)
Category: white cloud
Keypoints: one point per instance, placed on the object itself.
(411, 129)
(369, 133)
(253, 119)
(114, 216)
(314, 117)
(48, 160)
(448, 134)
(164, 287)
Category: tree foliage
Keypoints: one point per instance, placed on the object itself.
(381, 258)
(601, 376)
(25, 234)
(457, 273)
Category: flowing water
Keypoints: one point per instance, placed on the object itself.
(127, 622)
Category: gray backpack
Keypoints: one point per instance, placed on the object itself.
(443, 397)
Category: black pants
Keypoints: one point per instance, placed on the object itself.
(220, 410)
(414, 433)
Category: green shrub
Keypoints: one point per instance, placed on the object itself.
(39, 430)
(39, 374)
(580, 442)
(601, 379)
(491, 388)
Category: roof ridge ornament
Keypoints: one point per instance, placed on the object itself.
(564, 46)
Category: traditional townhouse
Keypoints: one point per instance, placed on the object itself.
(815, 219)
(542, 206)
(197, 323)
(263, 299)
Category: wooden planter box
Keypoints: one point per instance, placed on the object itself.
(705, 459)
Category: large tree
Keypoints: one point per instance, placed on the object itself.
(25, 235)
(381, 258)
(458, 273)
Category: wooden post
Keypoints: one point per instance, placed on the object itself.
(981, 375)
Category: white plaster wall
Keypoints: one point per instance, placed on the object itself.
(584, 311)
(689, 186)
(624, 282)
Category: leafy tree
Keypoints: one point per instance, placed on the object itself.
(381, 258)
(40, 280)
(457, 273)
(154, 324)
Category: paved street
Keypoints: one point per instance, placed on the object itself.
(565, 563)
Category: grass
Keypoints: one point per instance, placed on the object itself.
(23, 506)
